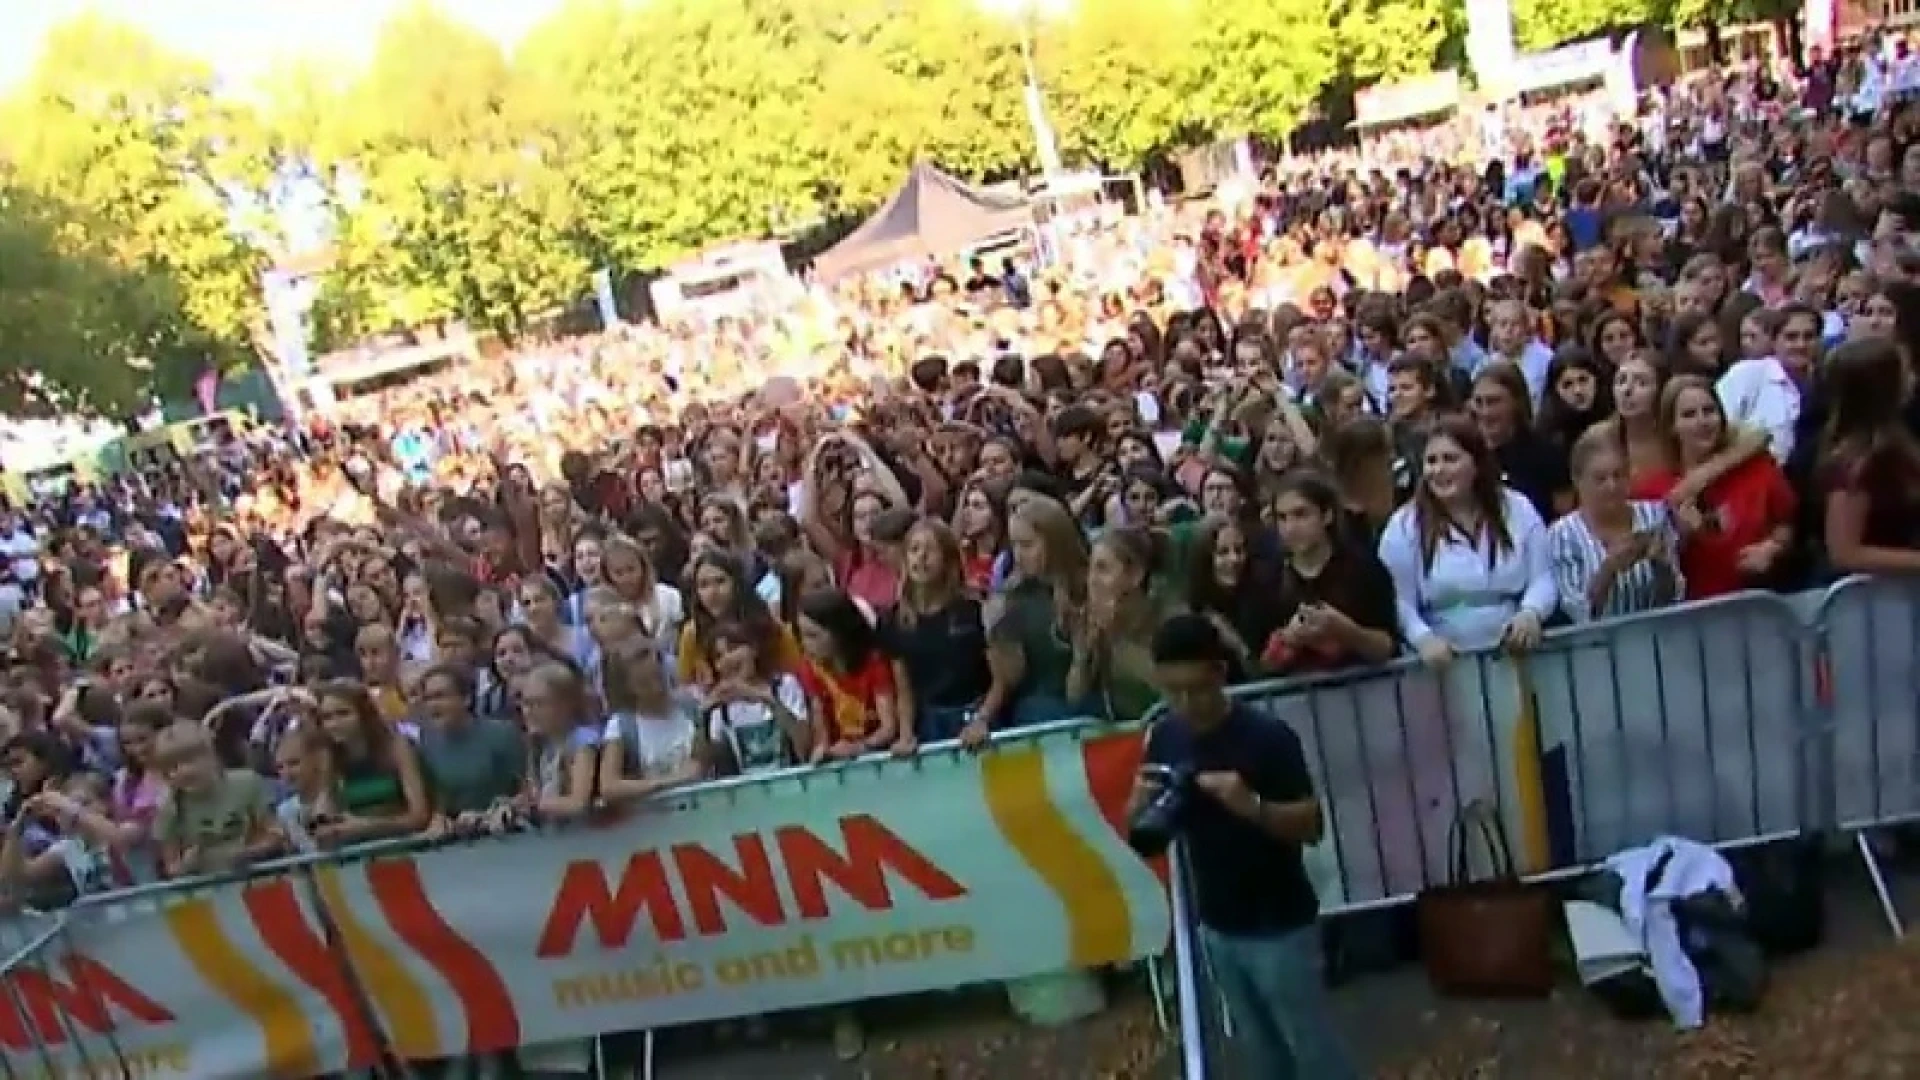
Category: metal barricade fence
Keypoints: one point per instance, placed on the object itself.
(1730, 721)
(63, 1013)
(1869, 752)
(1692, 721)
(1734, 721)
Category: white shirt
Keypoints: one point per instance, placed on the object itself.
(663, 615)
(23, 548)
(1906, 74)
(1759, 393)
(1866, 98)
(769, 589)
(1467, 594)
(658, 743)
(750, 730)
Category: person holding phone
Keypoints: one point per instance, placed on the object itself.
(1611, 555)
(1336, 599)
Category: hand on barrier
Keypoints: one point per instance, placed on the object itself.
(906, 745)
(473, 822)
(1435, 651)
(329, 833)
(976, 734)
(1522, 633)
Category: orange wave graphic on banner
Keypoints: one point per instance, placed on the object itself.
(492, 1021)
(285, 1032)
(285, 929)
(403, 1005)
(1099, 925)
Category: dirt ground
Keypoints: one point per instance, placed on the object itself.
(1845, 1011)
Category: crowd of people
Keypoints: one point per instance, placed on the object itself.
(1425, 408)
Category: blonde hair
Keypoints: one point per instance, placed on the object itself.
(624, 545)
(1596, 440)
(913, 601)
(603, 598)
(566, 685)
(1064, 544)
(182, 740)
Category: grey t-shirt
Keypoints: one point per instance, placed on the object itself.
(470, 768)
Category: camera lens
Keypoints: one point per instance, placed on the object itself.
(1152, 827)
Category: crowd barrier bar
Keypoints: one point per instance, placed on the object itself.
(1607, 735)
(1188, 963)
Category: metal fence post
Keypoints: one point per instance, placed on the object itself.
(392, 1062)
(1186, 968)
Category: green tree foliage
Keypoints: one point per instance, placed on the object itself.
(1256, 64)
(1544, 24)
(450, 180)
(453, 177)
(74, 323)
(1116, 75)
(126, 166)
(1387, 40)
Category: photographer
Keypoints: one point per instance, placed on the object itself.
(1232, 783)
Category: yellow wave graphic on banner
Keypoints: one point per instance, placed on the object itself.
(284, 1028)
(1099, 925)
(402, 1004)
(1530, 787)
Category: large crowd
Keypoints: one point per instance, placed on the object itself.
(1394, 403)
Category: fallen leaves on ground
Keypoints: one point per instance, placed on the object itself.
(1832, 1015)
(1842, 1013)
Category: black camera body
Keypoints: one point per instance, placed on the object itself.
(1152, 827)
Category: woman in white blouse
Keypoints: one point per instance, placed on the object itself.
(1468, 557)
(1612, 556)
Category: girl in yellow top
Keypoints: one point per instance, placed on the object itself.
(721, 595)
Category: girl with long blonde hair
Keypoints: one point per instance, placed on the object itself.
(1030, 620)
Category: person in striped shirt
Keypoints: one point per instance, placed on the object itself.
(1611, 555)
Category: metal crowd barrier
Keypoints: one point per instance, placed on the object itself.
(1732, 721)
(1735, 721)
(1690, 721)
(33, 942)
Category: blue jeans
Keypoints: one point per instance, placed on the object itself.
(1282, 1028)
(1032, 710)
(936, 723)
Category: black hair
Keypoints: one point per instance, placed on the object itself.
(854, 638)
(1190, 638)
(1040, 484)
(929, 373)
